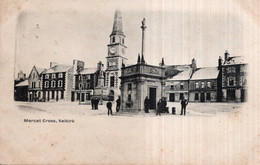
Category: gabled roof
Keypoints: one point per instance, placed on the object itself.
(205, 73)
(59, 68)
(235, 60)
(40, 70)
(88, 71)
(183, 75)
(23, 83)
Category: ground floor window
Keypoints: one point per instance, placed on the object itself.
(231, 94)
(196, 96)
(208, 96)
(181, 96)
(171, 97)
(78, 96)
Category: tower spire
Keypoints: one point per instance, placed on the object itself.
(143, 27)
(117, 25)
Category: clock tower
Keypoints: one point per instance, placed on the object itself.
(115, 57)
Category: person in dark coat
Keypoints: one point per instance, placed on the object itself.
(92, 103)
(146, 104)
(96, 103)
(118, 103)
(159, 107)
(164, 104)
(184, 103)
(109, 108)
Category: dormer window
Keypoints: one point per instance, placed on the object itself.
(202, 85)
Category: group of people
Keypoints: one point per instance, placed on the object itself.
(161, 106)
(94, 103)
(109, 106)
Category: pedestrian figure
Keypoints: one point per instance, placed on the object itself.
(92, 103)
(96, 103)
(146, 104)
(118, 103)
(109, 108)
(164, 104)
(184, 103)
(159, 107)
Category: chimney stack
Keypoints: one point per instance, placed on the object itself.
(193, 65)
(52, 64)
(226, 55)
(219, 62)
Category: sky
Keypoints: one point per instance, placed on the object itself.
(177, 31)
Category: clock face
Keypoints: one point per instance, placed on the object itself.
(112, 50)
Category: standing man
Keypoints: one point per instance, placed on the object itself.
(184, 103)
(159, 107)
(109, 108)
(92, 103)
(118, 103)
(146, 104)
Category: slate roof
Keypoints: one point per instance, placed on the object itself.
(235, 60)
(59, 68)
(88, 71)
(23, 83)
(205, 73)
(183, 75)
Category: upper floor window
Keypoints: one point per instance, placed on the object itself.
(60, 75)
(231, 69)
(113, 39)
(243, 80)
(172, 86)
(47, 76)
(123, 41)
(46, 84)
(60, 83)
(209, 84)
(182, 86)
(112, 81)
(202, 85)
(88, 77)
(80, 85)
(129, 86)
(88, 85)
(231, 81)
(53, 75)
(197, 85)
(53, 84)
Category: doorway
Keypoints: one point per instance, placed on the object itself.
(202, 97)
(152, 98)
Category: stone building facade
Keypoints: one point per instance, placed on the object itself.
(35, 84)
(234, 79)
(203, 85)
(58, 82)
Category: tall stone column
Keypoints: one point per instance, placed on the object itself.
(143, 27)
